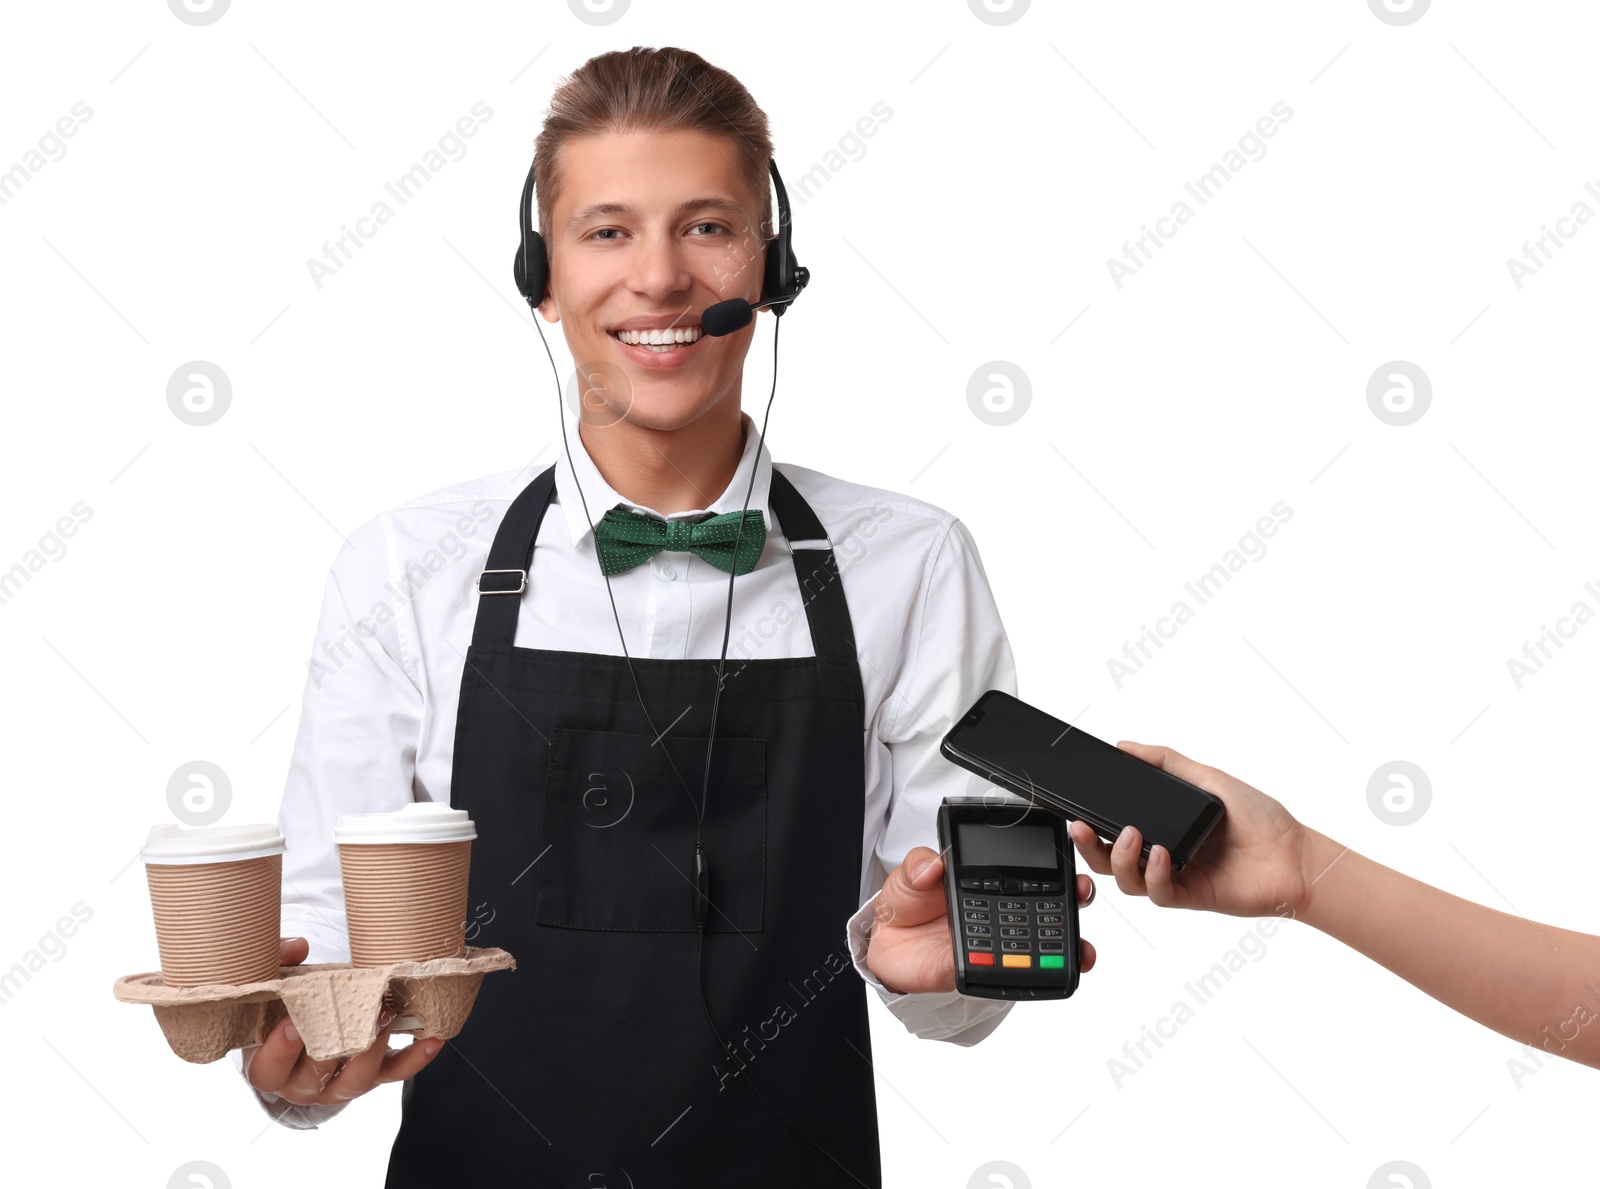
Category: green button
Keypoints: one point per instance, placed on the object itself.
(1052, 961)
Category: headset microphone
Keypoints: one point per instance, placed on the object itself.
(736, 313)
(783, 279)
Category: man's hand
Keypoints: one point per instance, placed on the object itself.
(280, 1065)
(910, 949)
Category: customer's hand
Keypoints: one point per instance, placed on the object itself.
(1255, 863)
(910, 950)
(281, 1066)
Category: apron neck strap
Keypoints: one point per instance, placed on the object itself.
(816, 569)
(505, 578)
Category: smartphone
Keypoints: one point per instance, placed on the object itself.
(1012, 891)
(1021, 748)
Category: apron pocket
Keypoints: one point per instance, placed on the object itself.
(619, 830)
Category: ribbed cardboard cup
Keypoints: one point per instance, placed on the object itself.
(405, 883)
(214, 893)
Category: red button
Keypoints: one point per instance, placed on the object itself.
(980, 959)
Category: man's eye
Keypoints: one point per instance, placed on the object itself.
(716, 226)
(604, 233)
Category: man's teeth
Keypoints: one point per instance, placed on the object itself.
(665, 339)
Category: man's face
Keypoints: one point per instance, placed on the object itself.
(651, 228)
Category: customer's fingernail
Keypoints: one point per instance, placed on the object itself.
(290, 1035)
(1125, 839)
(384, 1017)
(916, 873)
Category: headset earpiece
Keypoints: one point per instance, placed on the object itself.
(782, 275)
(532, 288)
(531, 282)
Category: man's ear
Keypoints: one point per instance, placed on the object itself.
(548, 309)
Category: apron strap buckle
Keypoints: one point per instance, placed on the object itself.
(502, 586)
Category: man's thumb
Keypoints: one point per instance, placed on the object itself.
(904, 900)
(915, 870)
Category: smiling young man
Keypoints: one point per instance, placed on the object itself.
(862, 624)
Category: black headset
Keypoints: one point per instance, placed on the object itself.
(782, 280)
(782, 276)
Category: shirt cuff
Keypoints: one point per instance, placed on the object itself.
(931, 1015)
(290, 1114)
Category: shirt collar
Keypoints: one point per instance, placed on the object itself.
(601, 497)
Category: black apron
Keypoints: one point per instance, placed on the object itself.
(593, 1063)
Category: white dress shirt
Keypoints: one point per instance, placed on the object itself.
(378, 719)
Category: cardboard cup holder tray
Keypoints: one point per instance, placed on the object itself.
(334, 1006)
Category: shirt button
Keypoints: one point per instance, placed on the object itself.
(666, 571)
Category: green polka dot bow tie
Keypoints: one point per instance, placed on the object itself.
(627, 539)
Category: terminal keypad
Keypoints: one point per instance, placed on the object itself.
(1029, 926)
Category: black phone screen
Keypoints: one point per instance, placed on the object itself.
(1086, 777)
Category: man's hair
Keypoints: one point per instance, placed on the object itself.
(653, 90)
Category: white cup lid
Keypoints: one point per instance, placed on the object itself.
(421, 821)
(174, 844)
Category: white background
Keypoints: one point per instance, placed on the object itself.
(1228, 374)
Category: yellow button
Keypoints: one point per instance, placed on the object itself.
(1017, 959)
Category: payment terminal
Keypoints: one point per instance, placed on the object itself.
(1012, 890)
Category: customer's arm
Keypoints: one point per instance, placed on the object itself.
(1535, 983)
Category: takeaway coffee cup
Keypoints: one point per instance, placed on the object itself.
(214, 891)
(405, 882)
